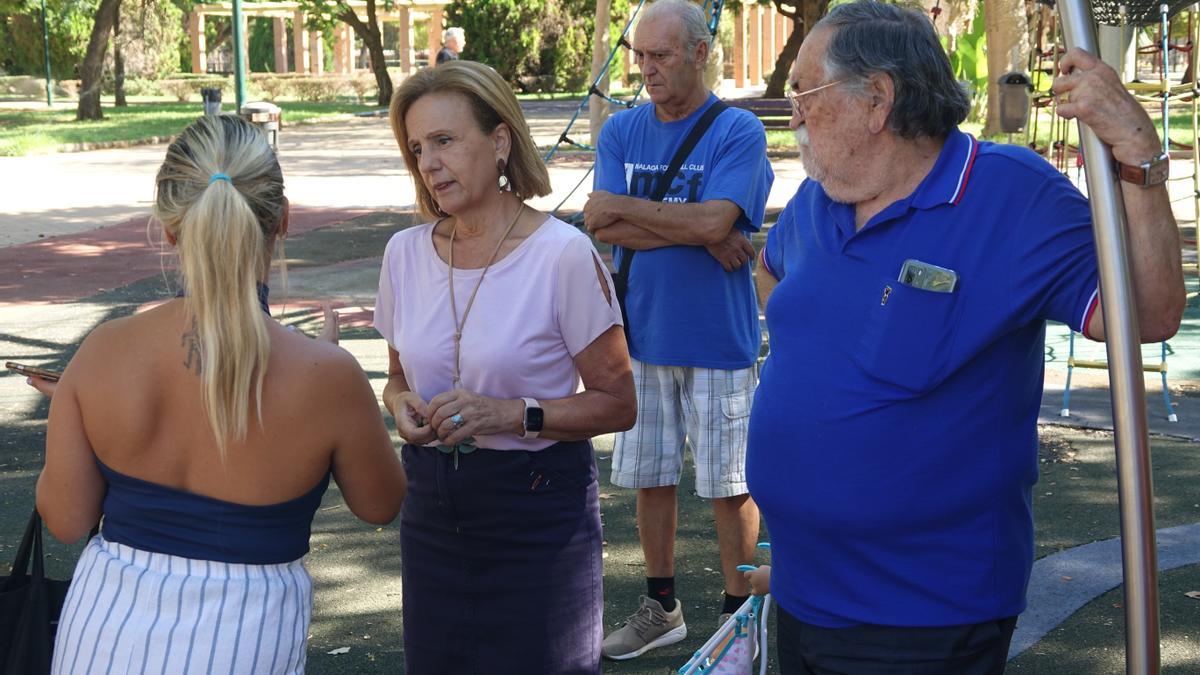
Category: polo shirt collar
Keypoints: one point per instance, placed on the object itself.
(947, 181)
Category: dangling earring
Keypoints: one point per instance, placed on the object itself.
(501, 166)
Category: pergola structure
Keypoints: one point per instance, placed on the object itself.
(759, 33)
(309, 47)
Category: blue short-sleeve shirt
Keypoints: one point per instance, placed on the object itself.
(893, 438)
(684, 309)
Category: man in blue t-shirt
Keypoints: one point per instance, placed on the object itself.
(893, 440)
(692, 314)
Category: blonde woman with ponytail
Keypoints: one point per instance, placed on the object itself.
(204, 434)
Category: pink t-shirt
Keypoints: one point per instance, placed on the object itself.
(538, 307)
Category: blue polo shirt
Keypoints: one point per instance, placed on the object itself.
(893, 438)
(684, 308)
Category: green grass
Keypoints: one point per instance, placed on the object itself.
(24, 132)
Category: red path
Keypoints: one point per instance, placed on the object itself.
(72, 267)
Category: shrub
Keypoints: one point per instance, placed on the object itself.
(275, 88)
(537, 45)
(184, 88)
(363, 85)
(140, 86)
(22, 86)
(319, 89)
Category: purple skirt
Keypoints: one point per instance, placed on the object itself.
(501, 560)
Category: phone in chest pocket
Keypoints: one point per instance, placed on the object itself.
(925, 276)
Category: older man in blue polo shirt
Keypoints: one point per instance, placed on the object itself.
(893, 437)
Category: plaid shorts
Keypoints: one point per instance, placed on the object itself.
(706, 408)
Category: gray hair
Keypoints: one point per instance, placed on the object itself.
(872, 37)
(691, 18)
(454, 32)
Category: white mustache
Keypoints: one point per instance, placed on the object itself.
(802, 136)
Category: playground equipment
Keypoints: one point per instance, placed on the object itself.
(1130, 19)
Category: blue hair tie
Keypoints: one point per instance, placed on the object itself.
(219, 176)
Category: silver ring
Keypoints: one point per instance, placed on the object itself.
(457, 420)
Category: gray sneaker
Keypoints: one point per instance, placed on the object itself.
(649, 627)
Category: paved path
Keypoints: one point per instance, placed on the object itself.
(1064, 582)
(350, 164)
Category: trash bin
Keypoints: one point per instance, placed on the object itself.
(1014, 101)
(266, 117)
(212, 100)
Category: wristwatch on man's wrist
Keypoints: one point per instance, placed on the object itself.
(534, 418)
(1146, 174)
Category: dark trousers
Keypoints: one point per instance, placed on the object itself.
(501, 562)
(973, 649)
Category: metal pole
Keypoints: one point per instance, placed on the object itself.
(239, 54)
(1134, 485)
(1165, 14)
(46, 54)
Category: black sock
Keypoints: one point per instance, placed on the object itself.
(733, 602)
(662, 589)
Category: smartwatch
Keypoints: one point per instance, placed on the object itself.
(534, 418)
(1146, 174)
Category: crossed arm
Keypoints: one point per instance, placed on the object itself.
(641, 224)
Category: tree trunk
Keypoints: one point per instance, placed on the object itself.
(806, 15)
(93, 61)
(597, 106)
(118, 63)
(224, 33)
(783, 65)
(1007, 50)
(379, 67)
(373, 40)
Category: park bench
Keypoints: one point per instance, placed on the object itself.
(774, 113)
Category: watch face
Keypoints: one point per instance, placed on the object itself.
(1158, 172)
(534, 419)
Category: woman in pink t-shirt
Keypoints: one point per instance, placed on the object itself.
(494, 315)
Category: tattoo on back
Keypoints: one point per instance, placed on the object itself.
(191, 341)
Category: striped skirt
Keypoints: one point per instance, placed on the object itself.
(132, 611)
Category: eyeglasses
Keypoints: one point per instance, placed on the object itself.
(795, 96)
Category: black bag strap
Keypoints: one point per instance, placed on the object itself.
(621, 281)
(31, 547)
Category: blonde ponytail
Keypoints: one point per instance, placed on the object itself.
(220, 197)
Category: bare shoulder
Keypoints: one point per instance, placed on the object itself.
(106, 343)
(308, 358)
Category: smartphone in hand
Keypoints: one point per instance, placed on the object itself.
(34, 371)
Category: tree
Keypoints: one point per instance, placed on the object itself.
(505, 34)
(804, 14)
(1007, 50)
(535, 44)
(21, 36)
(118, 64)
(148, 40)
(322, 14)
(92, 68)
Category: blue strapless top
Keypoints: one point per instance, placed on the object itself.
(164, 519)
